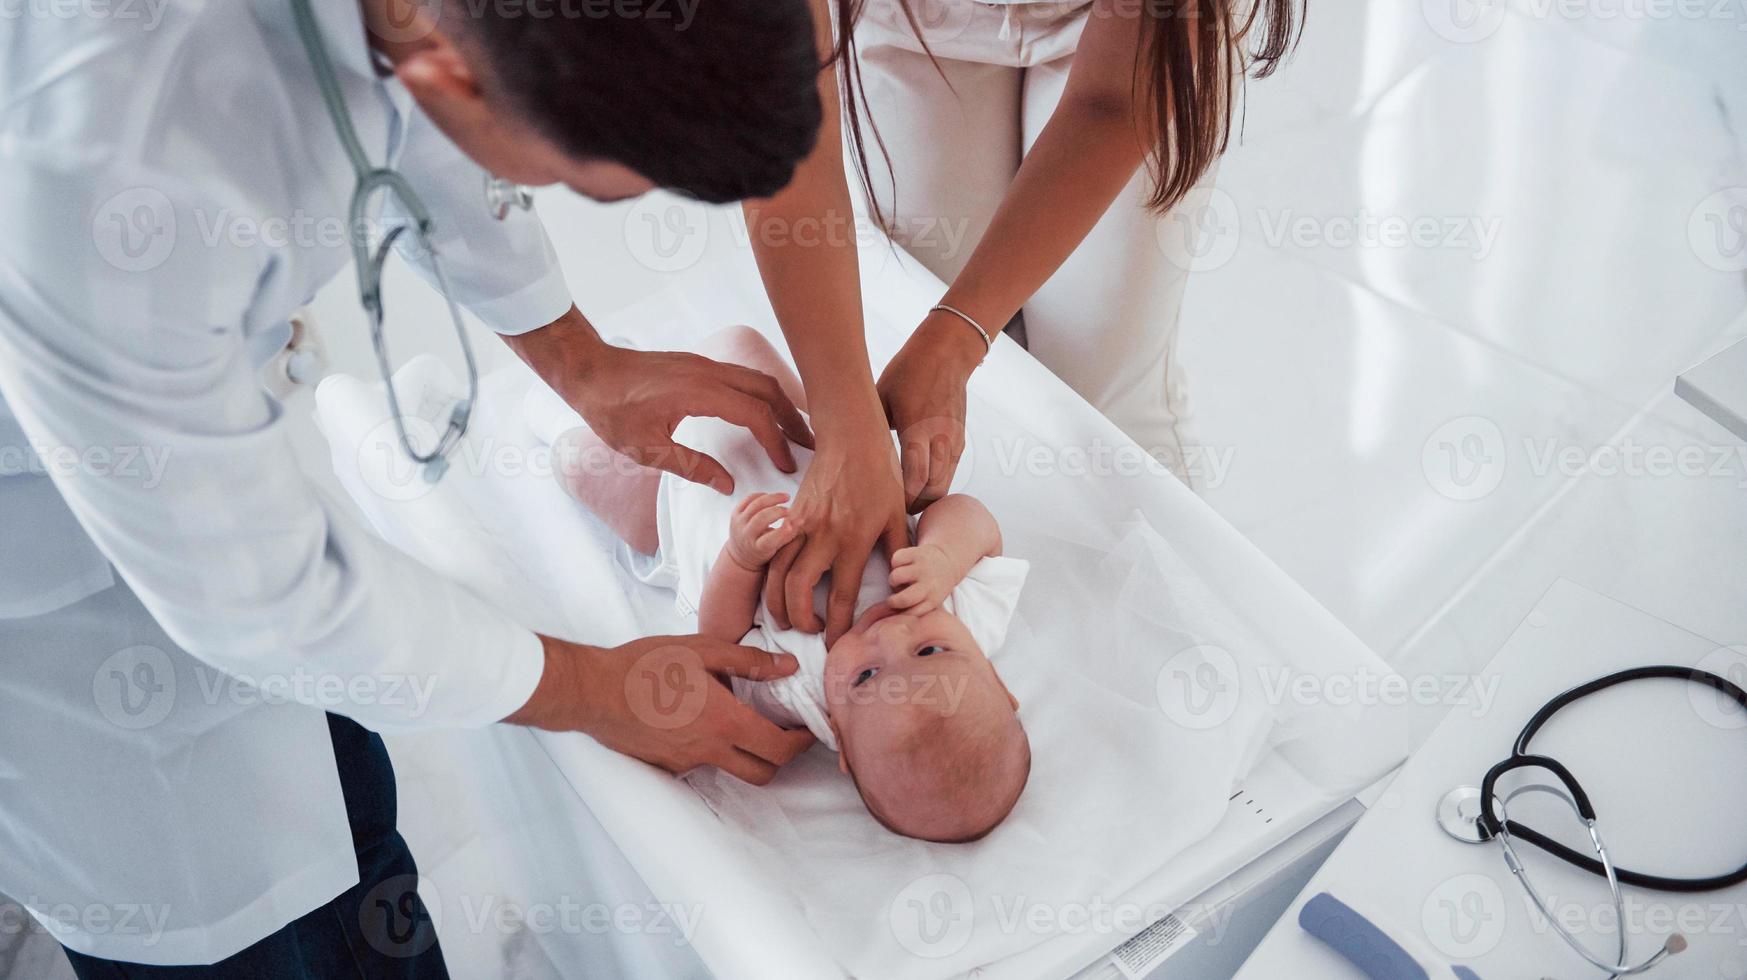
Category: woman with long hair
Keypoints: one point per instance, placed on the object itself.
(1025, 152)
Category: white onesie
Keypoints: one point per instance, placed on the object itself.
(692, 521)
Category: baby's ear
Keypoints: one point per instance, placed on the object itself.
(842, 759)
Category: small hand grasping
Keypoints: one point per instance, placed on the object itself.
(752, 541)
(922, 577)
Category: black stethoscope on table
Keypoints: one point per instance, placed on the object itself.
(1475, 815)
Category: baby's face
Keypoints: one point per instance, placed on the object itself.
(894, 659)
(924, 725)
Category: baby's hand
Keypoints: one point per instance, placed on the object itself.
(751, 539)
(922, 578)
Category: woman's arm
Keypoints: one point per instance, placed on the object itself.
(804, 240)
(1087, 153)
(851, 498)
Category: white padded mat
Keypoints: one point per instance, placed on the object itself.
(1149, 657)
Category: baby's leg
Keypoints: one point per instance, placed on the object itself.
(609, 484)
(748, 348)
(621, 492)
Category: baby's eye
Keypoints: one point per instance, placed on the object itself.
(930, 650)
(863, 676)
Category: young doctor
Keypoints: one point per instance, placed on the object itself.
(178, 605)
(1003, 143)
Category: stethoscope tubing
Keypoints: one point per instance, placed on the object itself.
(368, 181)
(1520, 757)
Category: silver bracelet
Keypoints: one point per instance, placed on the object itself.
(988, 338)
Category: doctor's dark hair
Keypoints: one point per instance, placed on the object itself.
(714, 99)
(1190, 64)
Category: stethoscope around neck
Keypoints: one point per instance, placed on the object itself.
(1475, 815)
(500, 197)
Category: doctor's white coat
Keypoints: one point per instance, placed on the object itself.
(172, 190)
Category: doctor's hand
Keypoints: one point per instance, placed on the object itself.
(849, 502)
(666, 700)
(634, 399)
(923, 390)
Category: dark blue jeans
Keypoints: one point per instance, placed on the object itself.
(375, 930)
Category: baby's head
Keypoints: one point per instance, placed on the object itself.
(924, 725)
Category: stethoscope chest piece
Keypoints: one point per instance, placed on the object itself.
(1459, 814)
(502, 195)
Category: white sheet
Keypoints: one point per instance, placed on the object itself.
(1133, 580)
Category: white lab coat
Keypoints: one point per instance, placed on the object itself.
(171, 193)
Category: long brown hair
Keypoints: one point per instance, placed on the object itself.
(1186, 71)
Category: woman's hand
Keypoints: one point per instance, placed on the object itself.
(850, 501)
(923, 390)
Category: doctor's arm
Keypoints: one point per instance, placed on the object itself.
(1087, 153)
(506, 273)
(251, 570)
(242, 560)
(851, 498)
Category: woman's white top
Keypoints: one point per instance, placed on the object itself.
(1008, 33)
(174, 188)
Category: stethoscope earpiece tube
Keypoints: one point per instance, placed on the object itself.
(1690, 674)
(1491, 826)
(1626, 876)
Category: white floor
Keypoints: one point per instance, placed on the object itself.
(1400, 418)
(1410, 426)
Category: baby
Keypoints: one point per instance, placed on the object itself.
(908, 697)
